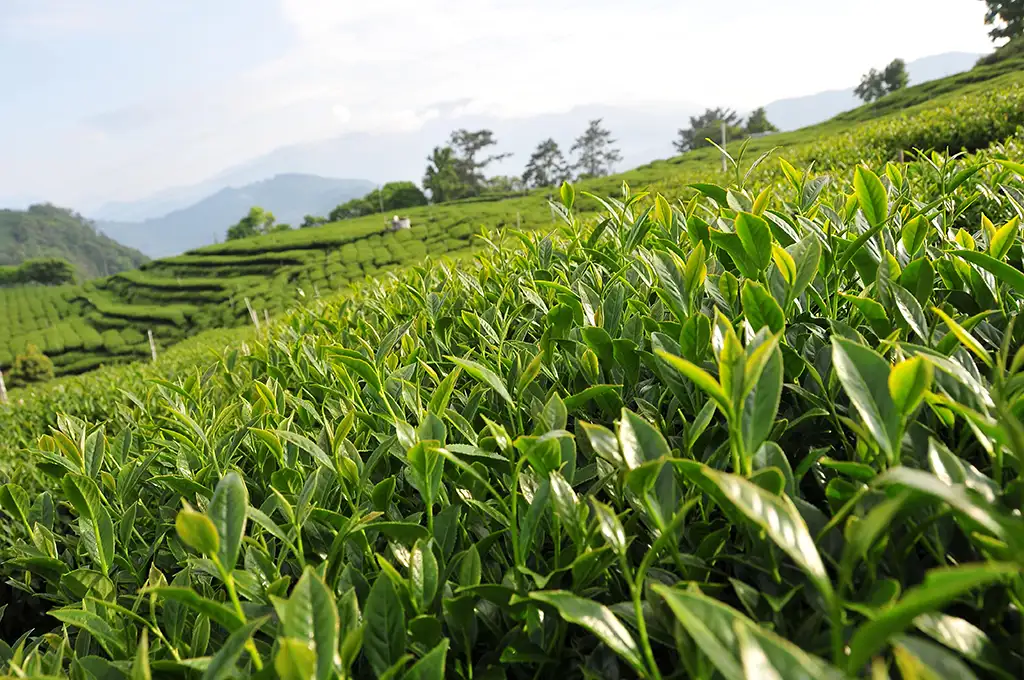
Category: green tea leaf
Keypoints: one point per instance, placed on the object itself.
(761, 309)
(865, 376)
(940, 586)
(484, 375)
(598, 619)
(295, 659)
(756, 237)
(227, 511)
(223, 662)
(871, 196)
(197, 531)
(908, 382)
(431, 666)
(384, 637)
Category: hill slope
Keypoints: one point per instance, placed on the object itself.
(288, 196)
(49, 231)
(798, 112)
(216, 286)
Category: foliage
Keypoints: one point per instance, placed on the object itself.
(31, 367)
(441, 178)
(257, 222)
(877, 84)
(595, 154)
(758, 123)
(47, 271)
(708, 125)
(547, 166)
(46, 232)
(773, 429)
(392, 197)
(1006, 17)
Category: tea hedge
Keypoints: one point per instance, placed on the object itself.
(767, 431)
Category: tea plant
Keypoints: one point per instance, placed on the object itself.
(769, 433)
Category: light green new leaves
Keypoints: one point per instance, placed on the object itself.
(909, 380)
(865, 376)
(760, 308)
(598, 619)
(197, 531)
(756, 237)
(484, 375)
(228, 511)
(871, 196)
(94, 525)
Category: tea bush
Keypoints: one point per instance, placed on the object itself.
(768, 431)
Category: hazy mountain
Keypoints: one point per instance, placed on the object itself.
(48, 231)
(642, 132)
(798, 112)
(288, 196)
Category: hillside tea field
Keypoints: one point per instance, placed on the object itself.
(106, 320)
(771, 430)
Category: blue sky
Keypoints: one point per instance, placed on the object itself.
(116, 99)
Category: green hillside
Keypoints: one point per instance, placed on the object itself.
(770, 426)
(49, 231)
(207, 288)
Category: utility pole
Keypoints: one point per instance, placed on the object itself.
(725, 166)
(152, 345)
(380, 198)
(3, 389)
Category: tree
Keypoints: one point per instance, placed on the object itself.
(1007, 18)
(758, 123)
(596, 156)
(31, 367)
(442, 177)
(258, 221)
(48, 271)
(876, 84)
(547, 166)
(312, 221)
(503, 184)
(392, 196)
(467, 145)
(706, 126)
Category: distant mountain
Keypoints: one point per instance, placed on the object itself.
(642, 132)
(798, 112)
(48, 231)
(288, 196)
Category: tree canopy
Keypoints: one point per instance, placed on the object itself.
(456, 170)
(708, 125)
(595, 154)
(257, 222)
(547, 166)
(1006, 17)
(390, 197)
(876, 84)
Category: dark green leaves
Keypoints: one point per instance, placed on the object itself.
(484, 375)
(939, 588)
(599, 620)
(384, 638)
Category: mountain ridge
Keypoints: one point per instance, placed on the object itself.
(289, 196)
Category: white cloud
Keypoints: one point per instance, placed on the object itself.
(385, 66)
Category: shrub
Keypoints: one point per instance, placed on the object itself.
(31, 367)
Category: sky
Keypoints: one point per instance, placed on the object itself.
(106, 100)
